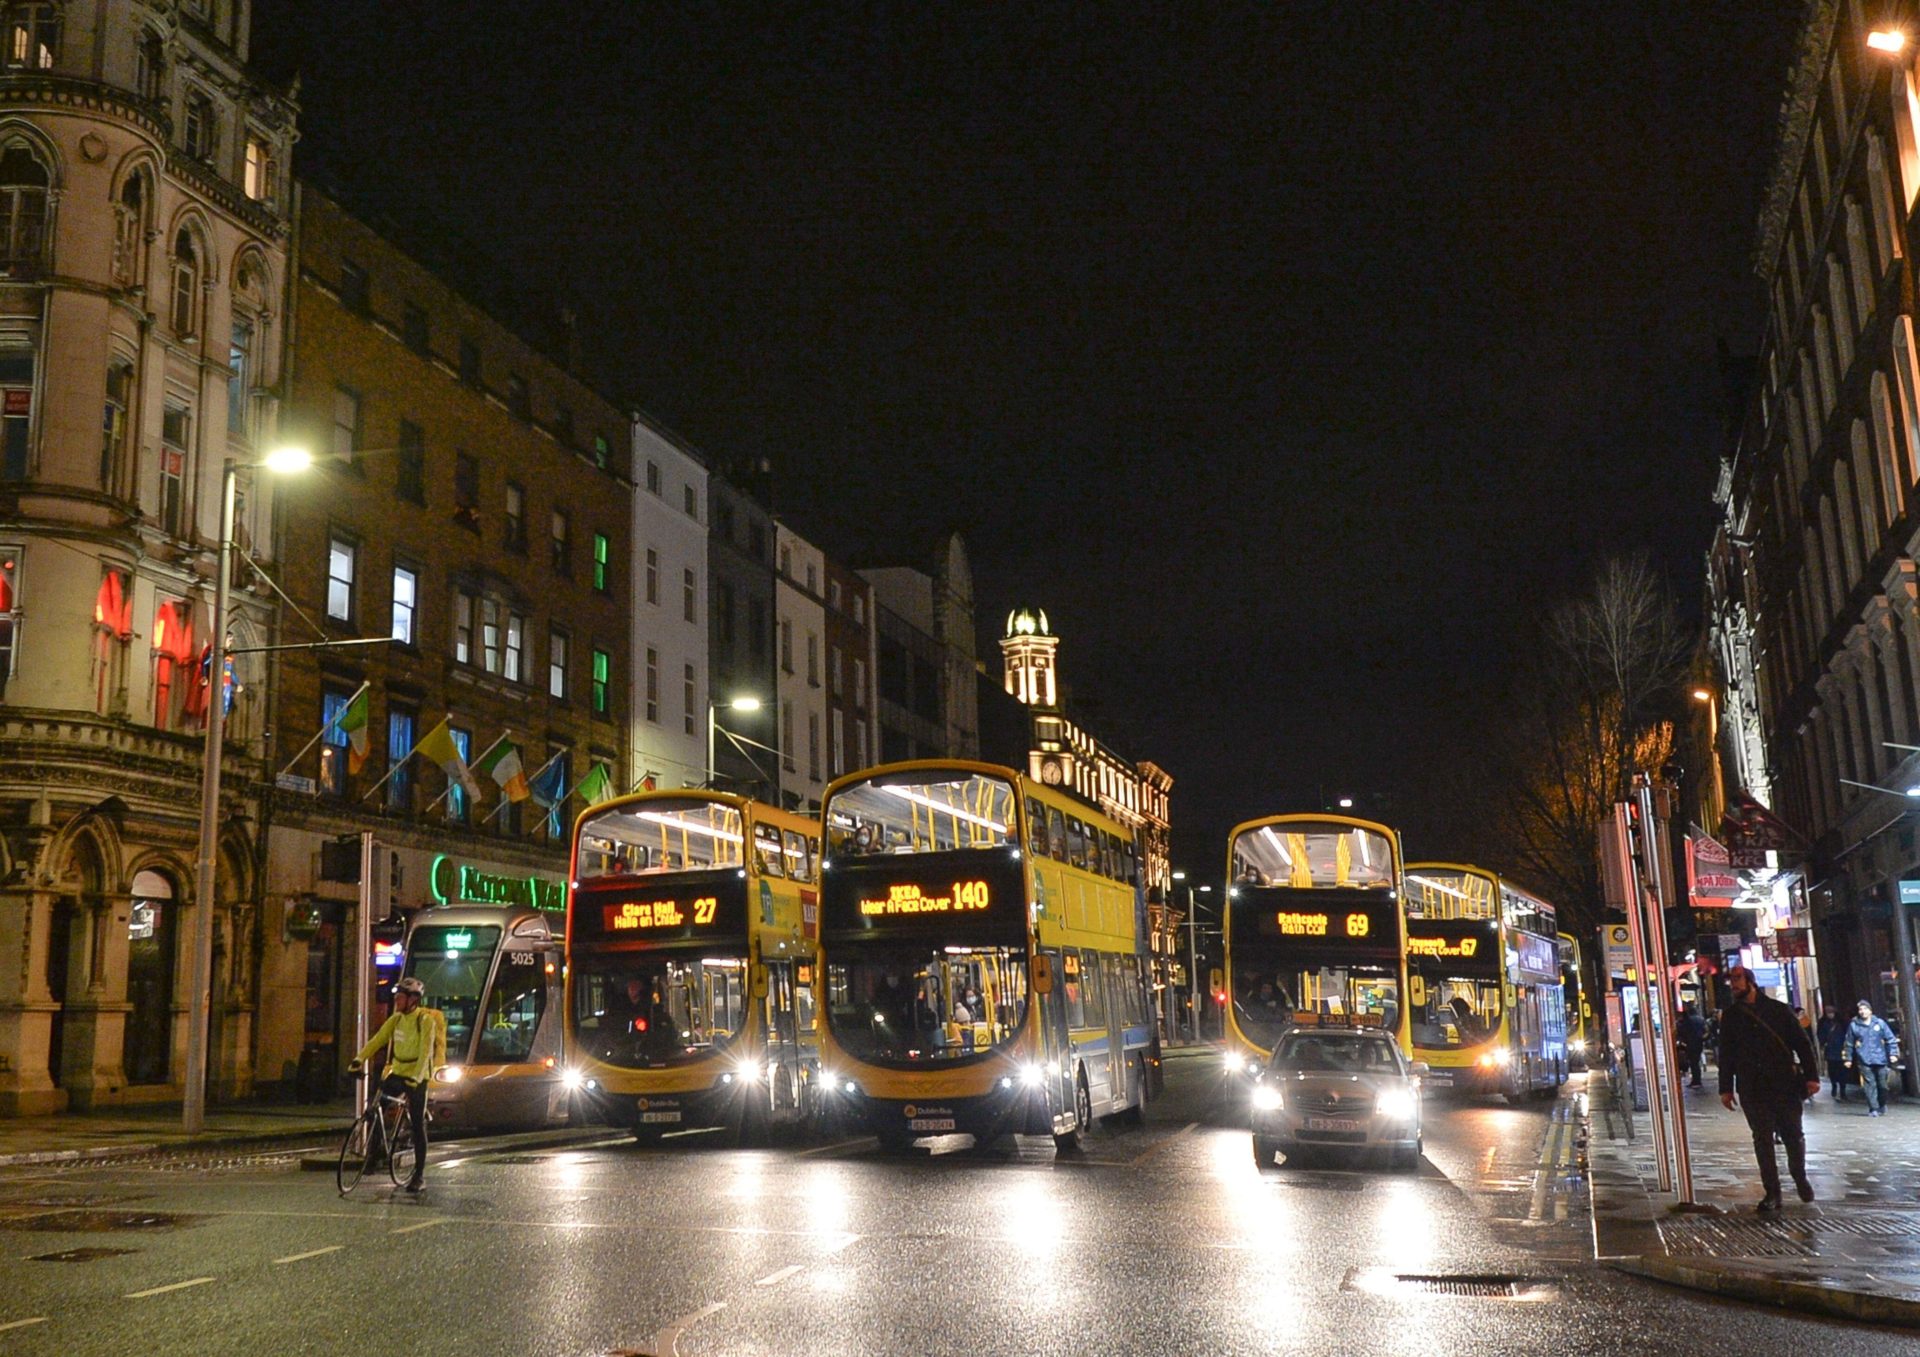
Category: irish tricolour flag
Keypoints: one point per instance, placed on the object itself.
(502, 764)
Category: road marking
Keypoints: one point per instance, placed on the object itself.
(843, 1242)
(666, 1343)
(423, 1225)
(22, 1323)
(1147, 1154)
(310, 1253)
(829, 1149)
(775, 1278)
(162, 1290)
(1554, 1152)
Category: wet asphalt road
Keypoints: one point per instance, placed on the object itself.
(1162, 1239)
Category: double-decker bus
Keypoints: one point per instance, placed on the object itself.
(981, 941)
(494, 970)
(1313, 931)
(1573, 998)
(691, 977)
(1483, 983)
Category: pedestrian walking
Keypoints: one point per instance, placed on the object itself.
(1871, 1047)
(1767, 1060)
(1832, 1036)
(1690, 1035)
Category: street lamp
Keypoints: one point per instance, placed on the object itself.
(1888, 40)
(746, 703)
(193, 1107)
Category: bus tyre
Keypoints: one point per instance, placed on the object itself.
(1066, 1142)
(1263, 1152)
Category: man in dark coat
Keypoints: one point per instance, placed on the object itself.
(1767, 1058)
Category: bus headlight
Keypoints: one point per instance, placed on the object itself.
(1396, 1104)
(1578, 1046)
(1498, 1056)
(1266, 1098)
(449, 1074)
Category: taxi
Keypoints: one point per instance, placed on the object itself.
(1343, 1090)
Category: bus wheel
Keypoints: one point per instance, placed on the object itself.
(1069, 1141)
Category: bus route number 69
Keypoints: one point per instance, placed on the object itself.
(1357, 925)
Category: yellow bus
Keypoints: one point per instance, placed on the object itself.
(1314, 931)
(1484, 984)
(1573, 997)
(691, 969)
(981, 943)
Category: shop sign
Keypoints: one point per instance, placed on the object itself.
(1910, 892)
(1792, 942)
(1710, 878)
(460, 883)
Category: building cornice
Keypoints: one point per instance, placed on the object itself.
(1794, 122)
(66, 94)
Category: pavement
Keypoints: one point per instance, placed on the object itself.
(130, 1131)
(1852, 1253)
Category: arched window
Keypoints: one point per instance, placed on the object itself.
(114, 423)
(1842, 322)
(1796, 442)
(33, 36)
(1859, 265)
(1823, 353)
(1830, 559)
(1880, 211)
(1846, 526)
(200, 130)
(1815, 580)
(185, 310)
(1893, 485)
(150, 66)
(1866, 506)
(130, 231)
(172, 662)
(1906, 380)
(23, 205)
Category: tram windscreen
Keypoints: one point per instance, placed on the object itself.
(1453, 982)
(452, 961)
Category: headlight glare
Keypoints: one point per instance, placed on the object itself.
(1266, 1098)
(1032, 1075)
(571, 1078)
(449, 1074)
(1396, 1103)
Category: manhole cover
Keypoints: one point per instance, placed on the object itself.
(86, 1255)
(99, 1222)
(1484, 1285)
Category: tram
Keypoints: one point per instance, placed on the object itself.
(1314, 931)
(495, 972)
(1484, 983)
(691, 975)
(982, 939)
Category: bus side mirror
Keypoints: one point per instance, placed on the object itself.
(759, 982)
(1042, 974)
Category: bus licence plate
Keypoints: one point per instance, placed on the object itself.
(930, 1124)
(1333, 1124)
(659, 1116)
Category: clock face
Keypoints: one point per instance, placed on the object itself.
(1051, 775)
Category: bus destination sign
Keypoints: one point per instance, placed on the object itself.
(1462, 947)
(652, 910)
(647, 916)
(960, 897)
(893, 895)
(1350, 922)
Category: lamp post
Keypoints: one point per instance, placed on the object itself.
(744, 703)
(193, 1109)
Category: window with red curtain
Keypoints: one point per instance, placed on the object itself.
(112, 624)
(172, 662)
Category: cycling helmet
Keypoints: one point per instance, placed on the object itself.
(410, 985)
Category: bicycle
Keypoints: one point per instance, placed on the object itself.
(383, 1131)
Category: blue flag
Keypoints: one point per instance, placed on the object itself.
(549, 788)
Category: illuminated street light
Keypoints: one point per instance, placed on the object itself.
(193, 1106)
(1889, 40)
(1346, 803)
(1702, 695)
(745, 702)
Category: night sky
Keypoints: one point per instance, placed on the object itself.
(1292, 356)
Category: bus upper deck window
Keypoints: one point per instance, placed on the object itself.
(766, 844)
(1037, 829)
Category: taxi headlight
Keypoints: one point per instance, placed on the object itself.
(1396, 1104)
(1266, 1098)
(449, 1074)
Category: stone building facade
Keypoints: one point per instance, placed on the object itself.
(142, 264)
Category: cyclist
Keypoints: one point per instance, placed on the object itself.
(417, 1037)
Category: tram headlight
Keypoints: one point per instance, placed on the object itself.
(1578, 1046)
(1396, 1104)
(1033, 1075)
(571, 1079)
(1267, 1098)
(449, 1074)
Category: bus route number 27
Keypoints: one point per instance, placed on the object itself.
(1357, 925)
(704, 909)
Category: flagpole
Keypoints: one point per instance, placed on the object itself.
(321, 734)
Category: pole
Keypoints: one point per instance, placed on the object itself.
(1637, 937)
(1903, 976)
(362, 948)
(1660, 883)
(713, 774)
(193, 1103)
(1193, 967)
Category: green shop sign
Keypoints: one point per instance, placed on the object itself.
(456, 883)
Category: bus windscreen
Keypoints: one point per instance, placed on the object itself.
(1313, 955)
(1454, 974)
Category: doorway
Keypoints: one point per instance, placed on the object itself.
(152, 923)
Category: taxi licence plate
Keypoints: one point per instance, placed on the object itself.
(1333, 1124)
(659, 1116)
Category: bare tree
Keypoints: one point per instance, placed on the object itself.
(1581, 723)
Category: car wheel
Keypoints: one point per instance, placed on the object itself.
(1406, 1160)
(1263, 1151)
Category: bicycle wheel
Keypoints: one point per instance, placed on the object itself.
(400, 1156)
(354, 1155)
